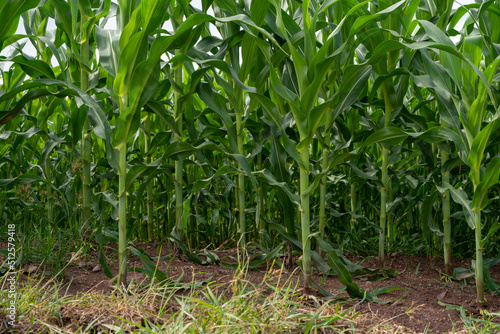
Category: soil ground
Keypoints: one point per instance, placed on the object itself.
(413, 308)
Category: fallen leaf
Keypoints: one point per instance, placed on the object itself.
(464, 276)
(441, 296)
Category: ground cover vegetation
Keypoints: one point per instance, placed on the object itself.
(293, 131)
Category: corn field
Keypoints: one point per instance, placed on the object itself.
(278, 127)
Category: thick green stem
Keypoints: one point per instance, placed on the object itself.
(86, 158)
(50, 206)
(122, 216)
(86, 143)
(305, 220)
(47, 166)
(149, 195)
(479, 248)
(179, 198)
(479, 259)
(322, 201)
(447, 232)
(322, 189)
(383, 205)
(353, 202)
(241, 183)
(260, 223)
(446, 213)
(178, 163)
(390, 220)
(386, 90)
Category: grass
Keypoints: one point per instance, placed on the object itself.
(274, 306)
(488, 323)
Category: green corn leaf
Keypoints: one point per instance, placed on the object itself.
(339, 267)
(10, 11)
(107, 43)
(438, 134)
(185, 212)
(490, 179)
(491, 232)
(317, 260)
(387, 135)
(78, 116)
(278, 158)
(22, 179)
(479, 144)
(126, 123)
(477, 111)
(179, 150)
(132, 27)
(271, 180)
(460, 197)
(217, 103)
(309, 96)
(64, 16)
(141, 91)
(47, 149)
(150, 268)
(128, 59)
(334, 159)
(224, 170)
(33, 67)
(351, 86)
(451, 64)
(364, 20)
(193, 257)
(102, 256)
(300, 66)
(228, 5)
(139, 171)
(271, 111)
(362, 174)
(161, 112)
(89, 26)
(351, 11)
(243, 161)
(148, 16)
(159, 139)
(24, 134)
(95, 113)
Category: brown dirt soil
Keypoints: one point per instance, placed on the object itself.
(413, 308)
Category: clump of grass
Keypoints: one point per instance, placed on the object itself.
(46, 306)
(485, 323)
(274, 306)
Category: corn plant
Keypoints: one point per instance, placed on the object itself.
(477, 136)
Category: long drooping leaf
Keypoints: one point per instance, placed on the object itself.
(345, 278)
(490, 178)
(460, 197)
(33, 67)
(388, 135)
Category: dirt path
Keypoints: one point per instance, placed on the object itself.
(416, 307)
